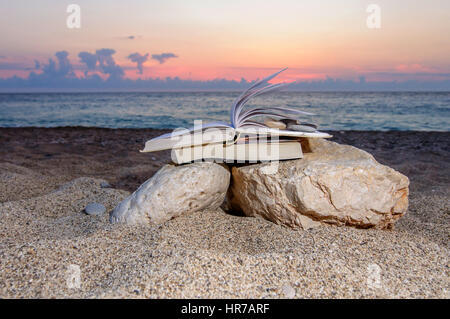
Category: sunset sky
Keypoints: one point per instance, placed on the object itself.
(233, 39)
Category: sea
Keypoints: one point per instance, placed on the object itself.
(380, 111)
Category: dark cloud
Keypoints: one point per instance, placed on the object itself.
(64, 66)
(161, 58)
(107, 64)
(50, 68)
(129, 37)
(90, 59)
(58, 75)
(139, 60)
(102, 60)
(36, 82)
(59, 69)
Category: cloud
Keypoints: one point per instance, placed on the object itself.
(65, 67)
(129, 37)
(102, 60)
(58, 75)
(38, 82)
(107, 64)
(60, 69)
(161, 58)
(90, 59)
(139, 60)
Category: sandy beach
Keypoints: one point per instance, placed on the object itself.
(48, 176)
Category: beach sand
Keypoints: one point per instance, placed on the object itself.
(48, 176)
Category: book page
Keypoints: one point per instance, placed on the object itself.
(276, 132)
(246, 95)
(210, 135)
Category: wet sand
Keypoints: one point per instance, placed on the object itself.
(47, 176)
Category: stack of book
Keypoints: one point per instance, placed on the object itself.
(255, 134)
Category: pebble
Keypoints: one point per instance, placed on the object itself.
(95, 209)
(288, 291)
(105, 185)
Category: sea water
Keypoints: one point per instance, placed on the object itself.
(333, 110)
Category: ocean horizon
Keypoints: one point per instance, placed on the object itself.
(344, 110)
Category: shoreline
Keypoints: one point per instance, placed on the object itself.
(118, 148)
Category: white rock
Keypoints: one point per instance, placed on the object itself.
(172, 191)
(288, 291)
(105, 185)
(333, 183)
(95, 209)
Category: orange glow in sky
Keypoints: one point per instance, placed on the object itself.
(234, 39)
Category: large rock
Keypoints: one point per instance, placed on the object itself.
(172, 191)
(333, 183)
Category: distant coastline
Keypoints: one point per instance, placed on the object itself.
(46, 83)
(212, 90)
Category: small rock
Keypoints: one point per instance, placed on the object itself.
(95, 209)
(105, 185)
(175, 190)
(288, 291)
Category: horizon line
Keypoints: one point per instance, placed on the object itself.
(69, 91)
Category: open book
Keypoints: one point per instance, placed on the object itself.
(258, 130)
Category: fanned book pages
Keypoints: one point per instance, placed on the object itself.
(254, 134)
